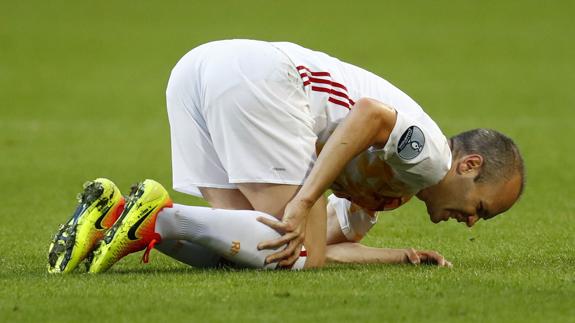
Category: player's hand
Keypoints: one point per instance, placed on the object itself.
(292, 229)
(428, 257)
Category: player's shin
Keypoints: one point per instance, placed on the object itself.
(233, 234)
(189, 253)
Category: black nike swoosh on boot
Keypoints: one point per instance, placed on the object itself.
(98, 223)
(134, 228)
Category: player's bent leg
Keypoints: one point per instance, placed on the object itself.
(134, 230)
(195, 254)
(100, 205)
(233, 234)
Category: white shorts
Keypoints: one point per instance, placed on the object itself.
(354, 225)
(238, 114)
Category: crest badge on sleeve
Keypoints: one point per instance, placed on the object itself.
(411, 143)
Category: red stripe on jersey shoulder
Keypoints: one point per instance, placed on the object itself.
(310, 77)
(324, 81)
(339, 102)
(330, 91)
(300, 68)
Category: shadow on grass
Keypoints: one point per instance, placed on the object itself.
(180, 269)
(483, 264)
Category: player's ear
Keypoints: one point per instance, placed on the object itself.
(470, 164)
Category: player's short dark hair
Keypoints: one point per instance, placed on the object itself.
(501, 157)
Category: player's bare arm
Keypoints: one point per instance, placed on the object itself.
(356, 253)
(344, 250)
(368, 124)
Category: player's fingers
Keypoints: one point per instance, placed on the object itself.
(426, 257)
(279, 226)
(435, 258)
(432, 257)
(292, 259)
(276, 243)
(277, 256)
(285, 253)
(439, 260)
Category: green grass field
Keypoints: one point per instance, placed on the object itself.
(82, 96)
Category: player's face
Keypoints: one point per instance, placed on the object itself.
(459, 197)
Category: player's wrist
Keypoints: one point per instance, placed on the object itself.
(303, 202)
(409, 256)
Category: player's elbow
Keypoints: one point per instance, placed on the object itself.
(368, 107)
(374, 110)
(378, 117)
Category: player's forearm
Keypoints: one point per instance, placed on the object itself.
(315, 236)
(369, 123)
(355, 253)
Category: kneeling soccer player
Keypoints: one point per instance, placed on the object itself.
(269, 127)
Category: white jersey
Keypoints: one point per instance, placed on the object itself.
(417, 154)
(245, 111)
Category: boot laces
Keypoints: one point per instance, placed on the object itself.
(146, 256)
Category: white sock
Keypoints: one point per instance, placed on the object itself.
(233, 234)
(189, 253)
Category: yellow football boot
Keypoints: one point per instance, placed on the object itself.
(100, 205)
(134, 230)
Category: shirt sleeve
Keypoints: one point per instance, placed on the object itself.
(417, 151)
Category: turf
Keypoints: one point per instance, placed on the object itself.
(82, 96)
